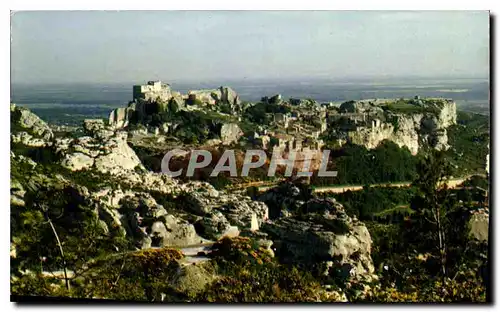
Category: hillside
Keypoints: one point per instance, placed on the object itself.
(92, 216)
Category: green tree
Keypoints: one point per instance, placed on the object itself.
(431, 201)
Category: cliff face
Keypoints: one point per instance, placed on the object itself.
(411, 130)
(406, 133)
(371, 137)
(447, 114)
(403, 133)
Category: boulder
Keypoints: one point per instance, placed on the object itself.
(107, 151)
(202, 199)
(246, 214)
(230, 133)
(120, 117)
(197, 203)
(327, 240)
(178, 232)
(222, 95)
(27, 139)
(285, 198)
(91, 126)
(210, 97)
(148, 223)
(479, 226)
(24, 118)
(192, 279)
(77, 161)
(215, 225)
(229, 96)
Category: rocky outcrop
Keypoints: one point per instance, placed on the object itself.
(285, 199)
(140, 217)
(359, 107)
(323, 237)
(371, 137)
(230, 133)
(77, 161)
(487, 165)
(246, 214)
(406, 130)
(229, 96)
(117, 155)
(402, 130)
(447, 112)
(27, 139)
(163, 99)
(120, 117)
(93, 126)
(174, 231)
(215, 226)
(222, 95)
(22, 118)
(217, 213)
(433, 130)
(192, 279)
(203, 199)
(106, 151)
(479, 225)
(210, 97)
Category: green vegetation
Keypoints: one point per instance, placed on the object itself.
(429, 256)
(357, 165)
(138, 276)
(194, 101)
(404, 107)
(421, 247)
(469, 141)
(193, 127)
(413, 106)
(377, 202)
(251, 275)
(261, 113)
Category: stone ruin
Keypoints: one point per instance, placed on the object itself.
(158, 93)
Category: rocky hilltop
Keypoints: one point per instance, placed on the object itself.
(294, 124)
(156, 97)
(410, 124)
(92, 216)
(100, 177)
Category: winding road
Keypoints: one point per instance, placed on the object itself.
(452, 183)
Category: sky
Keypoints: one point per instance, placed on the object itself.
(131, 46)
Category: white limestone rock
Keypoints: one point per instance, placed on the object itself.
(77, 161)
(26, 139)
(24, 118)
(230, 133)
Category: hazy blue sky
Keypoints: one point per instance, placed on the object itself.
(98, 46)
